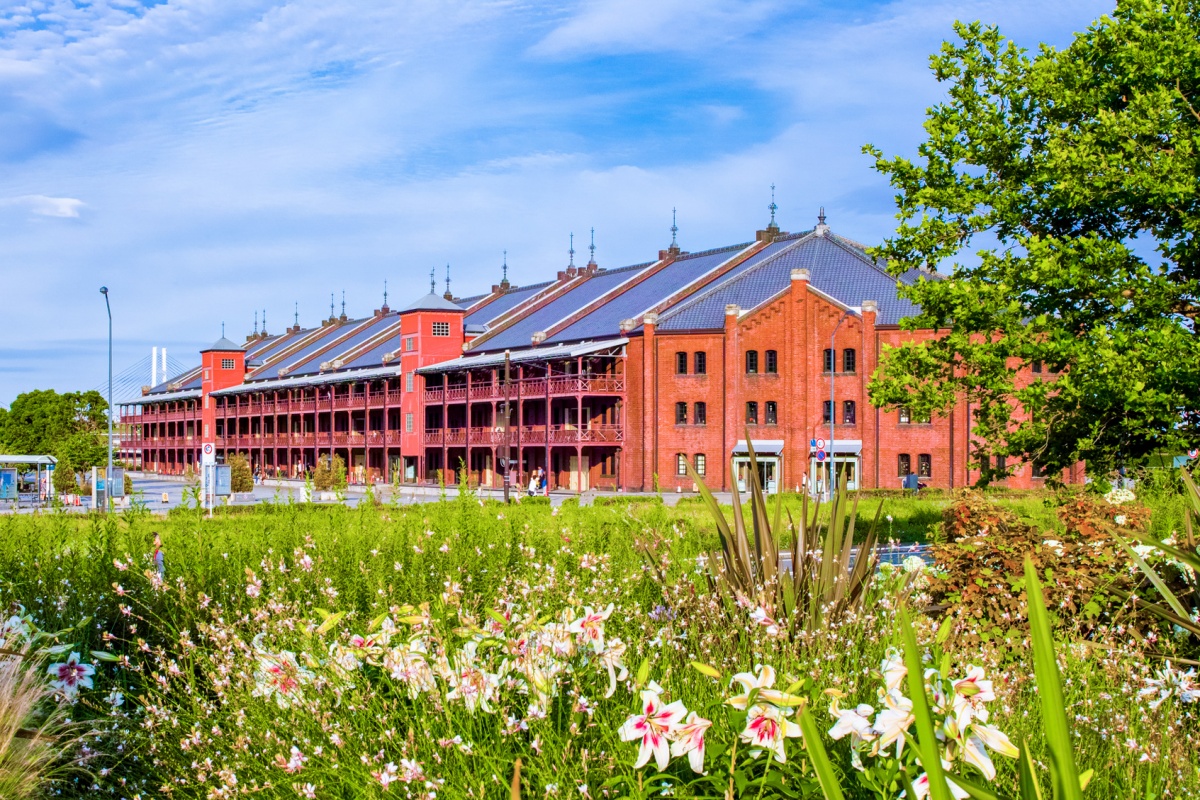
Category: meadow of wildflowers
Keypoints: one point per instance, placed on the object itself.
(385, 651)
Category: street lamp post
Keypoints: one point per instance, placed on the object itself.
(833, 402)
(109, 472)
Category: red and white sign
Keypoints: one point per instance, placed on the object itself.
(820, 444)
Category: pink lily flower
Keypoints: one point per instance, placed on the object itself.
(689, 740)
(653, 727)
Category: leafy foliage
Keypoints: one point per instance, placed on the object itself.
(69, 426)
(1049, 166)
(241, 479)
(329, 475)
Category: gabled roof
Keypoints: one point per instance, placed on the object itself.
(223, 345)
(432, 302)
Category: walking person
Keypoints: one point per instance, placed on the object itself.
(159, 561)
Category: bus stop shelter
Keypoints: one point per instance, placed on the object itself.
(13, 472)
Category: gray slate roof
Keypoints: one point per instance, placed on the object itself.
(222, 344)
(433, 302)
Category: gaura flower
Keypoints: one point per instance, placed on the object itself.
(70, 676)
(590, 627)
(759, 616)
(766, 728)
(613, 660)
(688, 739)
(653, 726)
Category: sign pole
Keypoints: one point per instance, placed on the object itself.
(504, 448)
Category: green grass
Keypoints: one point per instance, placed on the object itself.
(466, 560)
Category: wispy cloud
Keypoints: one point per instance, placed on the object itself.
(40, 204)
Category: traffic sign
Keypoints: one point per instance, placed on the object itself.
(820, 444)
(820, 455)
(812, 443)
(1193, 453)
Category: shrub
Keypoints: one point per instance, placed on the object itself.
(65, 480)
(980, 565)
(241, 479)
(128, 485)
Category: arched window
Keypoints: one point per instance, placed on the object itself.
(751, 362)
(772, 362)
(700, 363)
(849, 360)
(701, 464)
(903, 464)
(681, 464)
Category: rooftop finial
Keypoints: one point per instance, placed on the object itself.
(592, 249)
(821, 216)
(256, 323)
(432, 281)
(504, 269)
(222, 330)
(343, 302)
(264, 327)
(773, 208)
(674, 230)
(331, 305)
(571, 251)
(385, 305)
(448, 295)
(296, 315)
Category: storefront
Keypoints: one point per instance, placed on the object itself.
(768, 455)
(846, 456)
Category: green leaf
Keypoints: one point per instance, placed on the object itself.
(101, 655)
(1030, 789)
(705, 669)
(1050, 692)
(330, 621)
(643, 673)
(818, 757)
(926, 742)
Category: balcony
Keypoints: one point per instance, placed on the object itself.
(529, 435)
(559, 386)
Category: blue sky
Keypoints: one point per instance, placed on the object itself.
(207, 159)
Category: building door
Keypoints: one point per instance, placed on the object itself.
(579, 473)
(770, 473)
(818, 471)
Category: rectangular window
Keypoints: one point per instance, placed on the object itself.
(410, 343)
(441, 329)
(408, 382)
(681, 413)
(751, 362)
(700, 414)
(849, 361)
(829, 360)
(408, 423)
(700, 363)
(905, 418)
(700, 464)
(752, 413)
(226, 363)
(826, 411)
(903, 464)
(772, 362)
(1036, 470)
(681, 464)
(1037, 368)
(681, 363)
(849, 413)
(924, 465)
(772, 412)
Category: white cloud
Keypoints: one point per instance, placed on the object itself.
(40, 204)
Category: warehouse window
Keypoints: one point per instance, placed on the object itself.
(408, 423)
(826, 411)
(904, 417)
(410, 343)
(681, 363)
(1036, 470)
(681, 464)
(1037, 368)
(772, 362)
(226, 363)
(924, 465)
(903, 464)
(700, 414)
(408, 382)
(829, 359)
(849, 415)
(681, 413)
(441, 329)
(751, 362)
(752, 413)
(700, 360)
(772, 412)
(849, 360)
(701, 464)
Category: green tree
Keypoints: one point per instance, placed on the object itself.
(43, 421)
(65, 480)
(84, 449)
(241, 479)
(1061, 189)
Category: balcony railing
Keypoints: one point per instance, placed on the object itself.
(529, 387)
(529, 434)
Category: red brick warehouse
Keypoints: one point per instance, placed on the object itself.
(619, 378)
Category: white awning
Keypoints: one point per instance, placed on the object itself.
(762, 447)
(843, 447)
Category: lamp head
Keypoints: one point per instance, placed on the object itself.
(104, 290)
